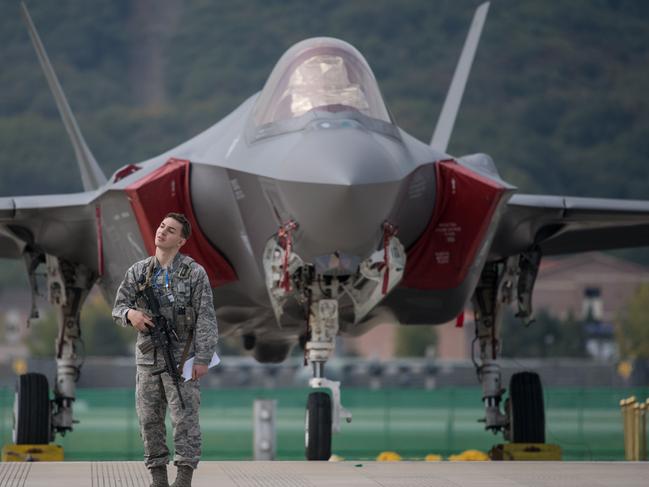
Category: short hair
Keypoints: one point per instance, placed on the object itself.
(186, 230)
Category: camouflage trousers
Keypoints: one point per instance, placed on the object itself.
(152, 395)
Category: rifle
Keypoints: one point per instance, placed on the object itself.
(161, 339)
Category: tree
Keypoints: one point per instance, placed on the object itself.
(99, 335)
(545, 337)
(414, 341)
(42, 336)
(632, 330)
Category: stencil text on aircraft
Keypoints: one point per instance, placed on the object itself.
(449, 230)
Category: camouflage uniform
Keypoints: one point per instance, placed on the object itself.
(185, 298)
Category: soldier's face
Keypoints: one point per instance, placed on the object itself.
(168, 236)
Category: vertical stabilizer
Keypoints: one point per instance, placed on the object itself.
(91, 174)
(447, 117)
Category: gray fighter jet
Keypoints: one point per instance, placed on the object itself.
(315, 215)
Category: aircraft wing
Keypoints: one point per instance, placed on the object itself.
(566, 224)
(61, 225)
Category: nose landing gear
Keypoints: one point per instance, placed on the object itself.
(288, 278)
(323, 413)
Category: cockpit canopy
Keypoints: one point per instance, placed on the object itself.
(321, 73)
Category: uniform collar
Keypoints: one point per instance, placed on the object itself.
(174, 263)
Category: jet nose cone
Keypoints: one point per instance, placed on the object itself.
(344, 156)
(339, 182)
(339, 218)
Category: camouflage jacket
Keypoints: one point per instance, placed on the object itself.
(185, 298)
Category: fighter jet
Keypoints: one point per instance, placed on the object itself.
(315, 216)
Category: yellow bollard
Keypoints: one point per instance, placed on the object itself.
(628, 421)
(634, 416)
(623, 411)
(632, 430)
(642, 432)
(635, 411)
(622, 403)
(644, 429)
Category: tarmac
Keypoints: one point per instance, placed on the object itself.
(336, 474)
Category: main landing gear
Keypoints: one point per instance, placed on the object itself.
(523, 418)
(36, 418)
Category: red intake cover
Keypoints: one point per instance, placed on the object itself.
(464, 206)
(166, 190)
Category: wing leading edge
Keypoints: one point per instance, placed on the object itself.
(565, 224)
(61, 225)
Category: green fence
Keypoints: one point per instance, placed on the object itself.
(586, 423)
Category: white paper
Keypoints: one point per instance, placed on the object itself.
(189, 363)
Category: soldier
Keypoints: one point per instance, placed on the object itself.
(185, 297)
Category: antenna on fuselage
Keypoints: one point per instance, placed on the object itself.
(91, 174)
(447, 117)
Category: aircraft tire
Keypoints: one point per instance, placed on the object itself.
(31, 424)
(526, 408)
(317, 434)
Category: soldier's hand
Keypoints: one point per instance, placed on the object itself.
(140, 321)
(199, 371)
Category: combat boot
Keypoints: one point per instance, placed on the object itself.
(184, 476)
(159, 476)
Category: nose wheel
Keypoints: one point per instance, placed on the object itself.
(318, 425)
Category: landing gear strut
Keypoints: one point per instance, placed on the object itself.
(523, 420)
(68, 286)
(323, 412)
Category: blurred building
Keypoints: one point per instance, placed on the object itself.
(15, 305)
(563, 285)
(378, 343)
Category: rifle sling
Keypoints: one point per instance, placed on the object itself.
(149, 272)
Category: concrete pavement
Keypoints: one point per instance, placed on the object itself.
(337, 474)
